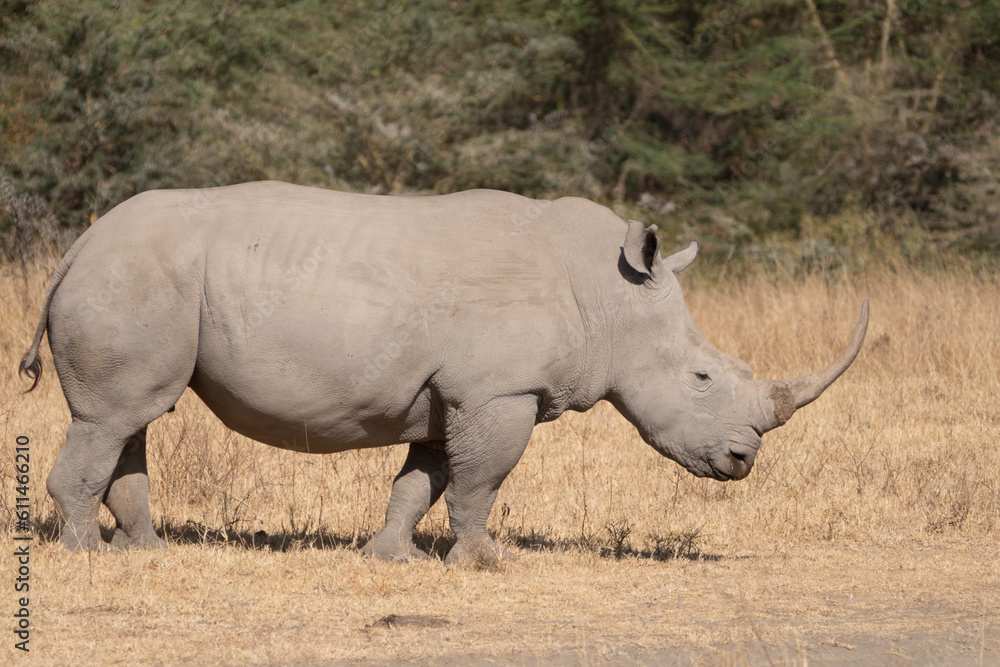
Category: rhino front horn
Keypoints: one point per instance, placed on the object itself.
(781, 398)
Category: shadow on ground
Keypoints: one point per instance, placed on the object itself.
(665, 547)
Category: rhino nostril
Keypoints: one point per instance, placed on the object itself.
(741, 463)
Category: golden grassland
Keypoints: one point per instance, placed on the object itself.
(868, 529)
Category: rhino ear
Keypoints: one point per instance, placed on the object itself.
(642, 249)
(683, 259)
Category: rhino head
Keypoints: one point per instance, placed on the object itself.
(694, 404)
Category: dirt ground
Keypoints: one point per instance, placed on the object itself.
(916, 618)
(936, 602)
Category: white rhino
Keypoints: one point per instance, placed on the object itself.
(323, 321)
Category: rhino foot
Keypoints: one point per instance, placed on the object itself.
(386, 548)
(83, 544)
(121, 541)
(481, 554)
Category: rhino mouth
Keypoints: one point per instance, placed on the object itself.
(734, 462)
(724, 470)
(712, 473)
(730, 460)
(721, 475)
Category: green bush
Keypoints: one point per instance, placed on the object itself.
(758, 121)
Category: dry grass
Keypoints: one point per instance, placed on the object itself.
(874, 513)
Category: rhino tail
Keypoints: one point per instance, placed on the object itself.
(31, 364)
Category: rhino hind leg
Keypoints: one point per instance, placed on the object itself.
(122, 364)
(419, 484)
(79, 480)
(128, 498)
(483, 447)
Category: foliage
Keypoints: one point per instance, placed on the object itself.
(742, 122)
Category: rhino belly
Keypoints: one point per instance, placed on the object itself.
(318, 417)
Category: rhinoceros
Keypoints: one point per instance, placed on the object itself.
(324, 321)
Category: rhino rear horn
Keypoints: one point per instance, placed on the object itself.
(781, 398)
(683, 259)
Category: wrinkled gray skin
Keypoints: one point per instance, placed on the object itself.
(321, 321)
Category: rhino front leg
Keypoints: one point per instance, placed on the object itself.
(416, 488)
(128, 499)
(483, 447)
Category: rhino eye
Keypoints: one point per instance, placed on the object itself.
(702, 376)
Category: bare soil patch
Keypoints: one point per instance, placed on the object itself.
(824, 603)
